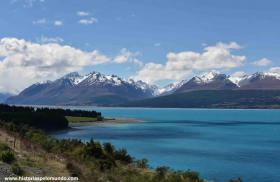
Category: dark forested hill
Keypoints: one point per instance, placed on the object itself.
(47, 119)
(215, 99)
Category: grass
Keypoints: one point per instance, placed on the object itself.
(30, 161)
(76, 119)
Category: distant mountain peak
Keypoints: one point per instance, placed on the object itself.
(170, 88)
(209, 77)
(236, 78)
(99, 78)
(74, 78)
(93, 88)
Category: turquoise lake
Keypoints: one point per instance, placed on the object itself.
(219, 144)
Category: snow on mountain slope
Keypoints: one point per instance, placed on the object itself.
(207, 77)
(237, 77)
(170, 88)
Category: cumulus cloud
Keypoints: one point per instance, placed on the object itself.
(128, 56)
(88, 21)
(83, 13)
(275, 70)
(262, 62)
(238, 74)
(24, 62)
(180, 65)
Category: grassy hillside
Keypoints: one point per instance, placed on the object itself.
(215, 99)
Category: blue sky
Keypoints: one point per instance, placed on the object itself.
(149, 29)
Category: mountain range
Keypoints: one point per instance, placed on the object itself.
(91, 89)
(110, 90)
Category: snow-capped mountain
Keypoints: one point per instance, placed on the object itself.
(170, 88)
(208, 81)
(237, 78)
(217, 81)
(99, 89)
(153, 89)
(260, 80)
(207, 77)
(94, 88)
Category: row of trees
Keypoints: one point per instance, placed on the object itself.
(47, 119)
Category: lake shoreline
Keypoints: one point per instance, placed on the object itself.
(111, 121)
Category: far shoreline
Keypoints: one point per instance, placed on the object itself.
(106, 121)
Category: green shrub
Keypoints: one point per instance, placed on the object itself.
(161, 172)
(109, 148)
(3, 147)
(143, 163)
(191, 175)
(123, 156)
(16, 169)
(105, 165)
(74, 170)
(8, 157)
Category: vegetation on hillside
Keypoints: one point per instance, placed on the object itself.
(214, 99)
(47, 119)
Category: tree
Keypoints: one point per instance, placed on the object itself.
(109, 148)
(161, 172)
(143, 163)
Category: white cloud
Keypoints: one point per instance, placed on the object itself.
(24, 63)
(182, 64)
(262, 62)
(275, 70)
(44, 21)
(88, 21)
(40, 21)
(238, 74)
(58, 23)
(128, 56)
(44, 40)
(83, 13)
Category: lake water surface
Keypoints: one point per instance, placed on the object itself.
(219, 144)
